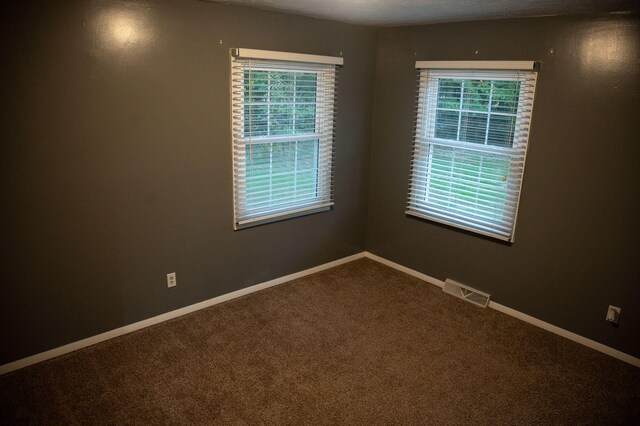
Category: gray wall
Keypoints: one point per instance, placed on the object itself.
(116, 157)
(576, 248)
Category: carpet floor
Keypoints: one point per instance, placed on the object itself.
(357, 344)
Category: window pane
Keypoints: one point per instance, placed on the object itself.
(468, 181)
(473, 127)
(281, 86)
(447, 124)
(501, 129)
(307, 179)
(258, 170)
(255, 120)
(255, 86)
(306, 84)
(449, 91)
(308, 155)
(281, 120)
(279, 103)
(476, 95)
(281, 173)
(305, 117)
(505, 96)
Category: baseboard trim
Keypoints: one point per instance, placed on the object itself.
(401, 268)
(608, 350)
(519, 315)
(74, 346)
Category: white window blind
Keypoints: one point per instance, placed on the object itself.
(470, 146)
(282, 125)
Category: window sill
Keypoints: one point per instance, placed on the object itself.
(277, 217)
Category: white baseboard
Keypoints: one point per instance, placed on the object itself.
(519, 315)
(408, 271)
(567, 334)
(43, 356)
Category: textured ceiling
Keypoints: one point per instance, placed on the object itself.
(408, 12)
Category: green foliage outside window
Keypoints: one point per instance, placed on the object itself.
(477, 111)
(280, 103)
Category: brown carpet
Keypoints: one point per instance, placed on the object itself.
(357, 344)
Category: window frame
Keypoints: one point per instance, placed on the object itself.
(425, 143)
(325, 69)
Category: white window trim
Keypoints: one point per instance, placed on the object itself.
(477, 65)
(325, 68)
(286, 56)
(426, 109)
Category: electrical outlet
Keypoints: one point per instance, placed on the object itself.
(171, 280)
(613, 315)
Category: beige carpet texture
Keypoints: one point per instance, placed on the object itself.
(357, 344)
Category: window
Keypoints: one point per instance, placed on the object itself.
(282, 122)
(471, 136)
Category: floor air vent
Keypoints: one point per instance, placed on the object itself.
(465, 292)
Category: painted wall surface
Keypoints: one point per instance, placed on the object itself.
(116, 155)
(576, 248)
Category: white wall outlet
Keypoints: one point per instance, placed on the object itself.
(613, 315)
(171, 280)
